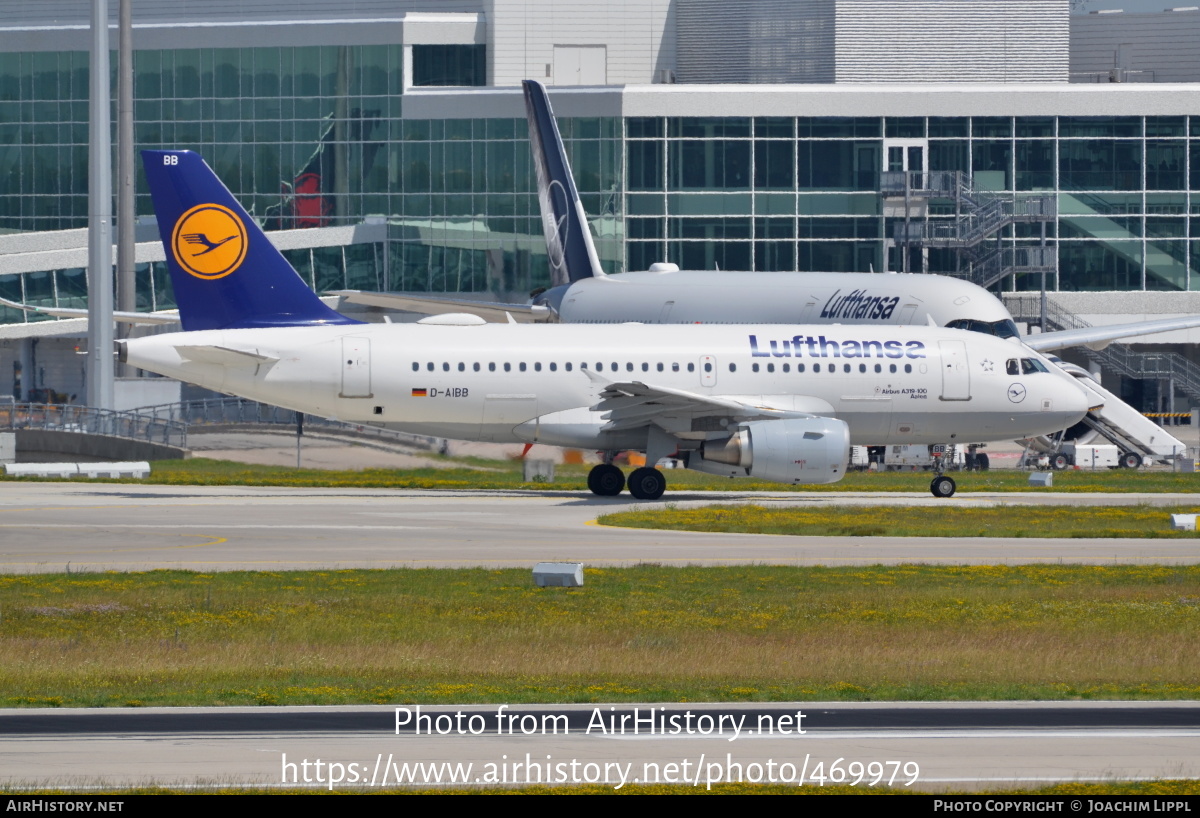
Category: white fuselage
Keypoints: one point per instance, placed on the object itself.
(690, 296)
(503, 383)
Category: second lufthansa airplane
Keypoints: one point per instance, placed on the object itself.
(776, 402)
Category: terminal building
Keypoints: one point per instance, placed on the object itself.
(384, 141)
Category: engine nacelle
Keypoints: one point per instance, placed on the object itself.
(798, 450)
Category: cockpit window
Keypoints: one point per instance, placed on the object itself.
(1025, 366)
(1001, 329)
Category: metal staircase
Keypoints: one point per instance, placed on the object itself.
(978, 217)
(1182, 373)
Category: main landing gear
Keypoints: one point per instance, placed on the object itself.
(645, 483)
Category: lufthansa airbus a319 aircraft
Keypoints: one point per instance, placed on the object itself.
(776, 402)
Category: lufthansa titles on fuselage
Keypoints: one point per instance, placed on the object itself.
(857, 304)
(819, 346)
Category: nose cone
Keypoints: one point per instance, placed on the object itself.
(1071, 400)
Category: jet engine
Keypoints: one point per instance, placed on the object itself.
(795, 450)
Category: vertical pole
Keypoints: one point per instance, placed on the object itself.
(126, 280)
(100, 267)
(299, 435)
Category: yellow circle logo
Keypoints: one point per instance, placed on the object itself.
(209, 241)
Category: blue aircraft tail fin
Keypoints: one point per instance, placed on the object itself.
(568, 238)
(225, 272)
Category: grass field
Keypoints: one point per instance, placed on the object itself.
(507, 474)
(1146, 522)
(647, 633)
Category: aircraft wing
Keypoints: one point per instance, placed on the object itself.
(633, 404)
(161, 317)
(489, 311)
(1100, 337)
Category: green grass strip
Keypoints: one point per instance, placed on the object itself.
(641, 634)
(477, 474)
(1140, 521)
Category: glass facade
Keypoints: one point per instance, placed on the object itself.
(316, 136)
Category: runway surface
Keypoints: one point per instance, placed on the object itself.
(53, 526)
(928, 746)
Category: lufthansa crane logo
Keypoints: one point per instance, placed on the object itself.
(209, 241)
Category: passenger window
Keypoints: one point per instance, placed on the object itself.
(907, 368)
(691, 367)
(567, 365)
(799, 367)
(891, 368)
(445, 366)
(462, 367)
(674, 367)
(754, 367)
(429, 366)
(553, 367)
(770, 367)
(845, 367)
(416, 366)
(599, 366)
(645, 367)
(537, 367)
(878, 368)
(475, 366)
(816, 367)
(732, 367)
(491, 367)
(508, 367)
(862, 367)
(708, 367)
(660, 366)
(521, 366)
(787, 368)
(629, 367)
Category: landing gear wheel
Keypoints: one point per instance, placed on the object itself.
(647, 484)
(1059, 462)
(606, 480)
(1131, 460)
(942, 486)
(982, 462)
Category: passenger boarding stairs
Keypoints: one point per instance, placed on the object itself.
(1117, 422)
(975, 232)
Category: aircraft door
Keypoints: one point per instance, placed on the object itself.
(956, 375)
(708, 370)
(356, 367)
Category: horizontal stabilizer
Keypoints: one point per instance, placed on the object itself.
(492, 312)
(223, 356)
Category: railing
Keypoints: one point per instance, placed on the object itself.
(86, 420)
(237, 412)
(981, 214)
(170, 424)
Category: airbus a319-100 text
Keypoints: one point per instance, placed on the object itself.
(776, 402)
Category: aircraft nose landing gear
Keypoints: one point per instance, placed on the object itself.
(942, 486)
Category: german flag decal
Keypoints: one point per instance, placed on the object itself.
(420, 393)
